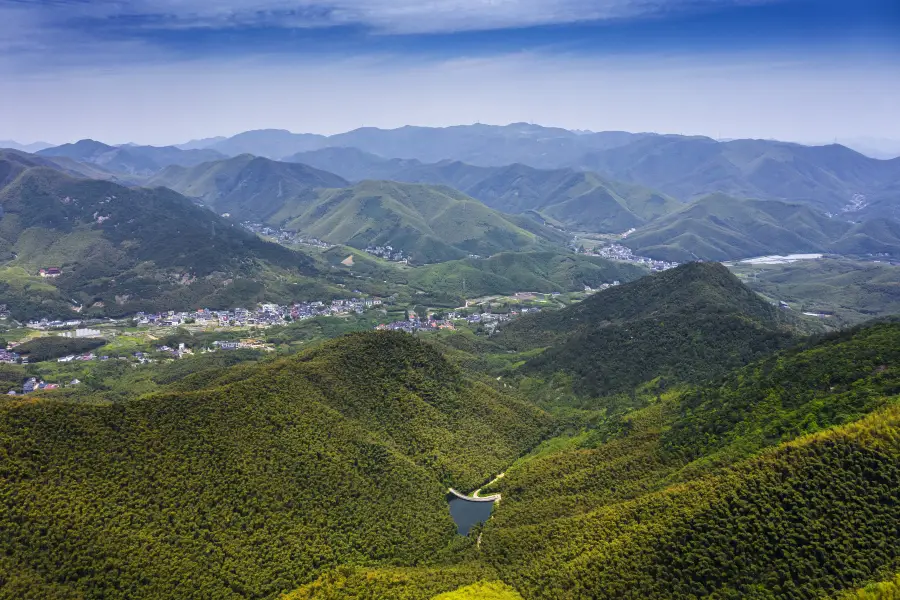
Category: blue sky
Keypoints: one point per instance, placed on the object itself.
(163, 71)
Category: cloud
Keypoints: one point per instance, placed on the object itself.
(380, 16)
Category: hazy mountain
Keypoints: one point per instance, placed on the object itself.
(33, 147)
(574, 199)
(825, 177)
(270, 143)
(139, 161)
(875, 147)
(248, 187)
(126, 249)
(488, 145)
(354, 164)
(719, 227)
(428, 223)
(201, 143)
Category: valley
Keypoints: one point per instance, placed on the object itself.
(280, 368)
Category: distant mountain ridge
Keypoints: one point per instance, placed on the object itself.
(140, 161)
(248, 187)
(578, 200)
(429, 223)
(685, 167)
(719, 227)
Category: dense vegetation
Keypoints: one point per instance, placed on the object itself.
(718, 227)
(428, 223)
(46, 348)
(687, 324)
(679, 501)
(848, 291)
(254, 482)
(575, 199)
(248, 187)
(123, 250)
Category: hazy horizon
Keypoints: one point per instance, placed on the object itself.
(168, 71)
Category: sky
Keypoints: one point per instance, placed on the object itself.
(166, 71)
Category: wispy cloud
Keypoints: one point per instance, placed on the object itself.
(381, 16)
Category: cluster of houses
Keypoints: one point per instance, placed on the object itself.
(8, 356)
(82, 357)
(489, 320)
(415, 324)
(388, 253)
(264, 315)
(50, 272)
(44, 324)
(624, 254)
(33, 384)
(283, 236)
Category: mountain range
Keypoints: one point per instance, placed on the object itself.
(135, 161)
(601, 183)
(428, 223)
(122, 249)
(719, 227)
(685, 167)
(249, 187)
(578, 200)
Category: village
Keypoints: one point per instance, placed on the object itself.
(284, 236)
(624, 254)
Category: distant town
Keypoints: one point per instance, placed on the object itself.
(624, 254)
(284, 236)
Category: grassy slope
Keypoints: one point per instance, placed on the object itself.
(575, 199)
(250, 485)
(248, 187)
(510, 272)
(687, 323)
(718, 227)
(431, 224)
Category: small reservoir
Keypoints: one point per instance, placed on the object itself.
(468, 513)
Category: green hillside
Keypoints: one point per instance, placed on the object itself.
(511, 272)
(248, 187)
(428, 223)
(719, 227)
(251, 486)
(687, 324)
(781, 480)
(122, 249)
(849, 291)
(696, 498)
(577, 200)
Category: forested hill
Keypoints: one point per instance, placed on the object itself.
(783, 481)
(252, 483)
(687, 323)
(248, 187)
(131, 248)
(429, 223)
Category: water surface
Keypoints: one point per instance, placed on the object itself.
(467, 513)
